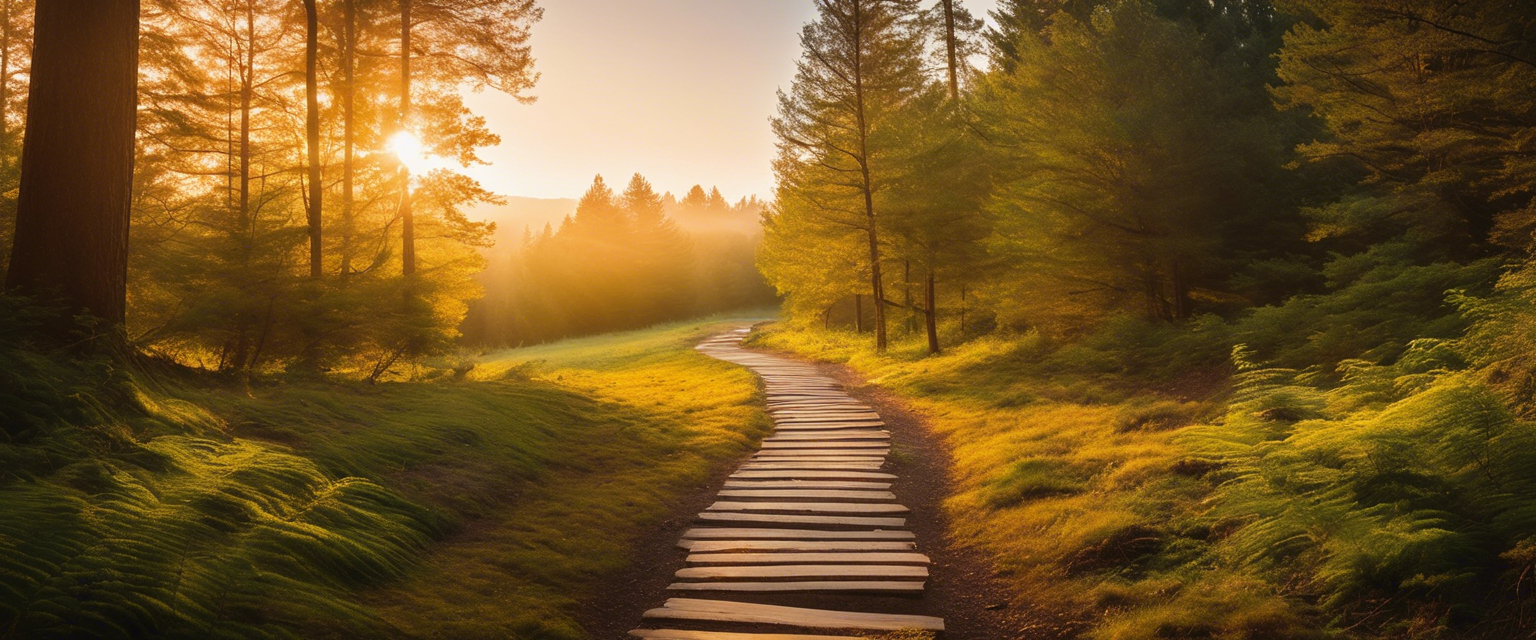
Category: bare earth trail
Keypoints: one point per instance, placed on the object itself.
(822, 534)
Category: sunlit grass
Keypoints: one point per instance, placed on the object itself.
(484, 507)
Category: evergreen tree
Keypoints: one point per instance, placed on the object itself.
(862, 66)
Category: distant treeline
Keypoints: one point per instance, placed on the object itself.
(622, 261)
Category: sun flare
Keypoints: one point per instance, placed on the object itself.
(411, 152)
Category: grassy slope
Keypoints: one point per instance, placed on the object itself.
(480, 507)
(1071, 474)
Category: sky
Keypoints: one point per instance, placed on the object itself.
(679, 91)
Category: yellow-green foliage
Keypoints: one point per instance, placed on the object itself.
(480, 508)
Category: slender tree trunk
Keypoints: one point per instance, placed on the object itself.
(348, 135)
(876, 285)
(77, 158)
(931, 314)
(5, 84)
(312, 135)
(906, 295)
(243, 351)
(407, 218)
(951, 47)
(963, 303)
(858, 313)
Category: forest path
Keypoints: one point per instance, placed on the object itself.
(807, 540)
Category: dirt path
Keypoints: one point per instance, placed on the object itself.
(960, 587)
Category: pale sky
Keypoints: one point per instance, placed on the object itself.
(677, 90)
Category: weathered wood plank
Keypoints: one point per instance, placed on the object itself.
(848, 434)
(811, 475)
(855, 466)
(806, 484)
(826, 445)
(827, 426)
(777, 518)
(742, 612)
(822, 453)
(809, 507)
(841, 586)
(802, 546)
(678, 634)
(808, 494)
(850, 571)
(730, 533)
(809, 558)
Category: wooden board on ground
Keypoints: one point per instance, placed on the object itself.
(728, 533)
(845, 434)
(806, 484)
(808, 494)
(776, 518)
(827, 586)
(811, 475)
(861, 454)
(856, 466)
(850, 571)
(678, 634)
(809, 507)
(748, 613)
(782, 457)
(809, 558)
(835, 444)
(801, 546)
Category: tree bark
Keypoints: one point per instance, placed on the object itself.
(5, 83)
(950, 44)
(312, 135)
(348, 133)
(77, 157)
(858, 313)
(931, 314)
(407, 218)
(877, 286)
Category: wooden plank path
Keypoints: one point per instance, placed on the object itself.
(811, 513)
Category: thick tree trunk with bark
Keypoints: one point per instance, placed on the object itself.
(77, 157)
(312, 135)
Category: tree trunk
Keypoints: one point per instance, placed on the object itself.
(858, 313)
(950, 44)
(407, 218)
(931, 314)
(876, 285)
(348, 134)
(5, 84)
(77, 158)
(312, 134)
(963, 303)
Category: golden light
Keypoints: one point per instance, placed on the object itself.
(411, 152)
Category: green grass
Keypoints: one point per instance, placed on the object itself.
(475, 506)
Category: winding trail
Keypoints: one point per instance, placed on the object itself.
(812, 514)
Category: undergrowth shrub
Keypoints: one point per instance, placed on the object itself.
(1403, 484)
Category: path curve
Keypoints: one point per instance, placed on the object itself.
(812, 513)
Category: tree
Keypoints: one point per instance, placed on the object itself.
(77, 158)
(15, 61)
(312, 136)
(1132, 163)
(1430, 104)
(862, 65)
(696, 199)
